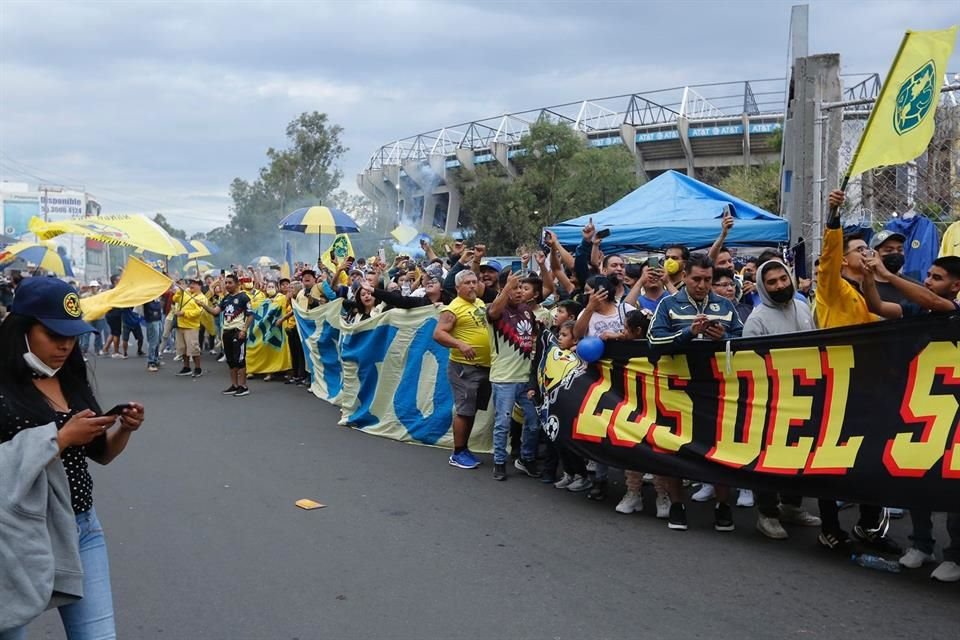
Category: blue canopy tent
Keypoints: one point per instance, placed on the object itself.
(676, 209)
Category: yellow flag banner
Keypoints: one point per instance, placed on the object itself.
(139, 283)
(902, 121)
(127, 231)
(267, 350)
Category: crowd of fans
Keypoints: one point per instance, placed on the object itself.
(495, 319)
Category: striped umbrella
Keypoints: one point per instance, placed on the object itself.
(40, 255)
(319, 220)
(202, 249)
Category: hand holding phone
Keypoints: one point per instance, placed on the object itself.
(603, 233)
(117, 410)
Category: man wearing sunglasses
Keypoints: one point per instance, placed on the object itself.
(840, 303)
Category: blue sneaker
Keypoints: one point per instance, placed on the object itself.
(464, 460)
(473, 458)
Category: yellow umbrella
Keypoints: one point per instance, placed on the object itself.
(136, 231)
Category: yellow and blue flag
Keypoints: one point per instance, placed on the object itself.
(902, 121)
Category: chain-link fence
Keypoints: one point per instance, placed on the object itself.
(929, 185)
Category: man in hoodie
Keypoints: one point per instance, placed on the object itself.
(779, 312)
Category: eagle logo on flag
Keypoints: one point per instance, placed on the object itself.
(914, 98)
(340, 248)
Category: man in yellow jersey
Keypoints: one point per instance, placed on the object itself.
(463, 328)
(189, 308)
(840, 303)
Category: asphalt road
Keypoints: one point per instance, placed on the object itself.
(205, 542)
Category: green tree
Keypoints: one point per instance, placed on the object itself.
(162, 221)
(758, 185)
(560, 177)
(303, 174)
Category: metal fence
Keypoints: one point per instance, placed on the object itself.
(929, 185)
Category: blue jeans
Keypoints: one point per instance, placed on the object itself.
(154, 331)
(100, 328)
(91, 617)
(505, 395)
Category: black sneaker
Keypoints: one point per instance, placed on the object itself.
(229, 391)
(242, 391)
(599, 490)
(500, 472)
(290, 381)
(678, 517)
(876, 542)
(528, 467)
(185, 372)
(197, 372)
(723, 517)
(835, 541)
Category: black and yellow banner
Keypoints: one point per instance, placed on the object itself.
(867, 414)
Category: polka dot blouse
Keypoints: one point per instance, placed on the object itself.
(74, 458)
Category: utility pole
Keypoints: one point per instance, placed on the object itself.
(46, 189)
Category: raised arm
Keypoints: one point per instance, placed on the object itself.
(915, 293)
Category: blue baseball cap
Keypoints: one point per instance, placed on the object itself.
(53, 303)
(491, 264)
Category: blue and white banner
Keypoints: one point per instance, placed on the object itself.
(387, 374)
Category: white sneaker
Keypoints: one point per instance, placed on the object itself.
(631, 502)
(663, 506)
(222, 359)
(771, 528)
(117, 356)
(797, 515)
(648, 478)
(914, 558)
(947, 572)
(177, 358)
(745, 499)
(579, 483)
(563, 482)
(705, 494)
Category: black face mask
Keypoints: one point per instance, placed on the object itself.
(783, 295)
(893, 262)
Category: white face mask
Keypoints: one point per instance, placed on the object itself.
(37, 365)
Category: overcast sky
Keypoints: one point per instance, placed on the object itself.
(158, 106)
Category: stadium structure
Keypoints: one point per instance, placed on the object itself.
(690, 128)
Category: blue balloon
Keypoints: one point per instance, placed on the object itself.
(590, 349)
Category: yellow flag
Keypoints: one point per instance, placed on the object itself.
(139, 283)
(902, 120)
(342, 248)
(136, 230)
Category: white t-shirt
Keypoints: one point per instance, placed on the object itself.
(600, 324)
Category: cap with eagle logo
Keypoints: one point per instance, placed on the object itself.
(53, 303)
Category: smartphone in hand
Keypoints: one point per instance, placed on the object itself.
(118, 409)
(603, 233)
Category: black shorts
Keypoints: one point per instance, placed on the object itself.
(234, 349)
(116, 325)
